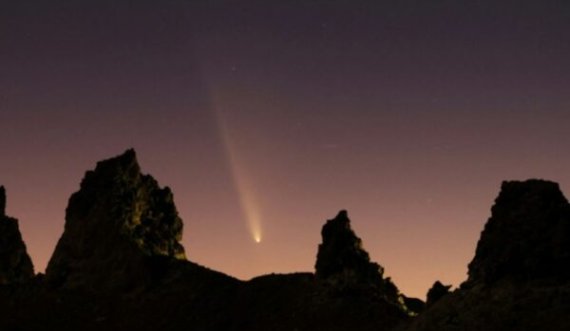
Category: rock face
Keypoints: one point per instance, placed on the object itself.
(341, 254)
(115, 224)
(519, 278)
(342, 261)
(436, 292)
(15, 264)
(527, 236)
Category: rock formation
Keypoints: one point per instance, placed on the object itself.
(519, 278)
(527, 236)
(341, 253)
(414, 306)
(343, 262)
(436, 292)
(15, 264)
(115, 223)
(119, 266)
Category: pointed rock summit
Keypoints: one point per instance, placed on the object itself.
(527, 236)
(15, 263)
(341, 253)
(436, 292)
(342, 261)
(118, 221)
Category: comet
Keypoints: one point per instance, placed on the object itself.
(242, 180)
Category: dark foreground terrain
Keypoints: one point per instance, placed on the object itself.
(119, 265)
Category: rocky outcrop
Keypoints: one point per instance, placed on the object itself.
(436, 292)
(527, 236)
(343, 262)
(519, 278)
(119, 266)
(414, 306)
(341, 253)
(15, 263)
(122, 232)
(115, 225)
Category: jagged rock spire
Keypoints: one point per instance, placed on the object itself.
(114, 223)
(341, 252)
(343, 262)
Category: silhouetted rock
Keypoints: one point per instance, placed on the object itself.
(115, 224)
(341, 254)
(343, 262)
(527, 236)
(15, 263)
(436, 292)
(519, 278)
(414, 305)
(298, 302)
(119, 266)
(122, 232)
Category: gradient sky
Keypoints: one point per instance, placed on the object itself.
(267, 119)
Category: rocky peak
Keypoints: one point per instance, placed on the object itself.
(436, 292)
(342, 261)
(341, 252)
(527, 236)
(116, 221)
(15, 263)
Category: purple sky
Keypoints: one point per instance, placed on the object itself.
(266, 119)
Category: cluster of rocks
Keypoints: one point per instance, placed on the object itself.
(122, 229)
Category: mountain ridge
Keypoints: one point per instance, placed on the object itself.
(119, 265)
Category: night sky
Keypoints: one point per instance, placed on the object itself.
(266, 118)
